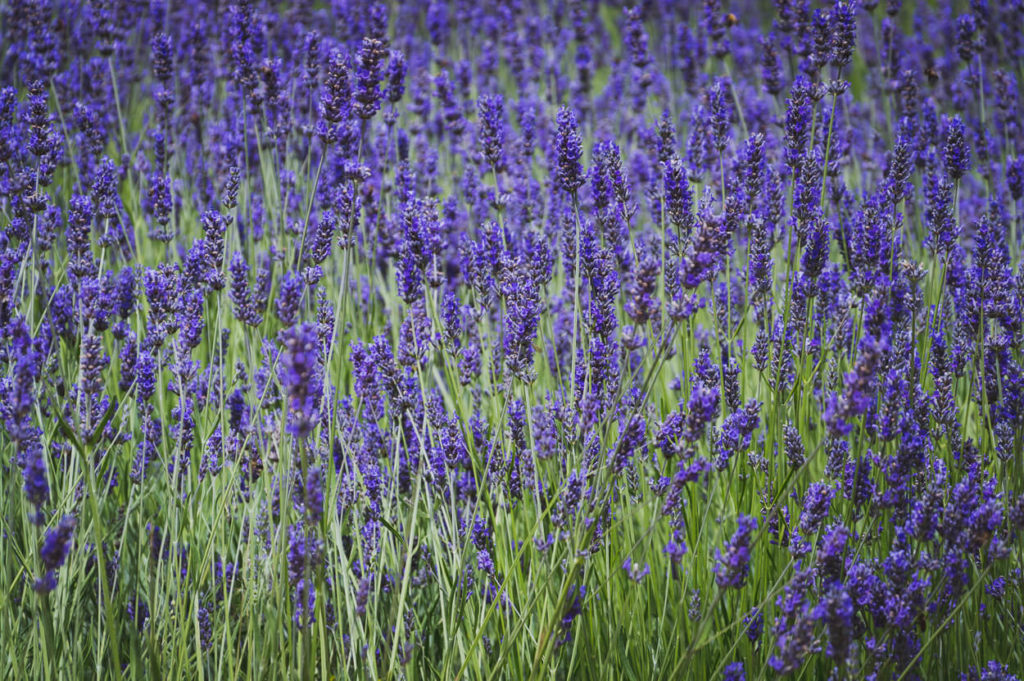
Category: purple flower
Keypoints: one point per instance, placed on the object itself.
(395, 87)
(159, 203)
(301, 377)
(642, 302)
(37, 488)
(492, 129)
(245, 304)
(574, 608)
(633, 439)
(305, 604)
(843, 32)
(794, 446)
(409, 275)
(484, 563)
(732, 567)
(214, 228)
(54, 551)
(675, 548)
(832, 551)
(304, 553)
(636, 38)
(992, 671)
(79, 240)
(817, 501)
(678, 197)
(956, 153)
(836, 612)
(701, 410)
(754, 622)
(771, 66)
(795, 626)
(1015, 177)
(943, 228)
(289, 298)
(94, 361)
(798, 122)
(366, 95)
(335, 94)
(634, 571)
(313, 493)
(718, 112)
(521, 319)
(966, 27)
(569, 150)
(734, 672)
(737, 431)
(162, 58)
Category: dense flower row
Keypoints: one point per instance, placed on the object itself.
(512, 340)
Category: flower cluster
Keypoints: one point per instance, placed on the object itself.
(396, 340)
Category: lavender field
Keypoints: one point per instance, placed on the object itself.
(473, 339)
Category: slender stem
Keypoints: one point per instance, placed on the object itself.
(309, 208)
(48, 637)
(575, 296)
(117, 104)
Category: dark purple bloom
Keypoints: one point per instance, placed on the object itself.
(636, 38)
(301, 377)
(54, 551)
(214, 227)
(522, 317)
(94, 361)
(642, 302)
(794, 628)
(956, 153)
(836, 612)
(305, 604)
(754, 622)
(484, 562)
(573, 609)
(966, 27)
(245, 304)
(832, 552)
(492, 128)
(395, 87)
(843, 32)
(798, 122)
(732, 567)
(678, 197)
(771, 66)
(719, 112)
(313, 494)
(367, 95)
(632, 440)
(943, 228)
(37, 488)
(162, 57)
(158, 203)
(794, 446)
(1015, 177)
(335, 94)
(79, 237)
(737, 431)
(289, 298)
(817, 501)
(734, 672)
(992, 671)
(569, 149)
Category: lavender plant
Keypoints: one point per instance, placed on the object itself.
(486, 340)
